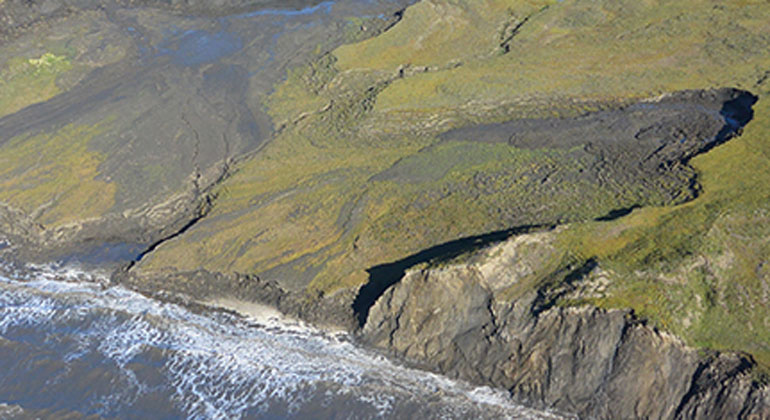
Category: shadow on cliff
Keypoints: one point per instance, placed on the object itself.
(381, 277)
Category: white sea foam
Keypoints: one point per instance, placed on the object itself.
(218, 365)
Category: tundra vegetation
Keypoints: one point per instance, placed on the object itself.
(359, 171)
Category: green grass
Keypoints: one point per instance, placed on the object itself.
(439, 33)
(53, 176)
(626, 51)
(24, 82)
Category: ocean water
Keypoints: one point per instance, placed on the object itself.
(71, 348)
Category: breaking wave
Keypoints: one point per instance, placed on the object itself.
(87, 348)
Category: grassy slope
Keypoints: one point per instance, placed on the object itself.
(603, 50)
(53, 176)
(49, 176)
(50, 59)
(27, 81)
(699, 269)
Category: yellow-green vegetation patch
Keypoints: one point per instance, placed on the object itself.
(25, 81)
(293, 212)
(47, 61)
(301, 91)
(586, 50)
(436, 33)
(53, 176)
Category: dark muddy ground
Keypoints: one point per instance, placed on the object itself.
(18, 15)
(185, 100)
(647, 135)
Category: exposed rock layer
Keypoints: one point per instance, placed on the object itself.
(596, 363)
(460, 320)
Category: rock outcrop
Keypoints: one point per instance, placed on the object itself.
(460, 320)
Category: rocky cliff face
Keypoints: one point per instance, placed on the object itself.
(460, 320)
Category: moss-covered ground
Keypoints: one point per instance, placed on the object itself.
(52, 177)
(27, 81)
